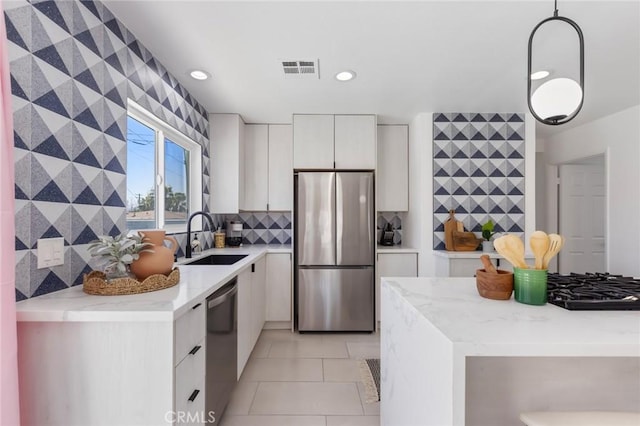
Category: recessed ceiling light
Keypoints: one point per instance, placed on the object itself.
(345, 75)
(199, 75)
(539, 75)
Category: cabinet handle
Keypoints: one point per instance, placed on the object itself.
(194, 395)
(253, 267)
(196, 306)
(498, 262)
(194, 350)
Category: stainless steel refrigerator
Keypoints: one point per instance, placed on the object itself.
(334, 242)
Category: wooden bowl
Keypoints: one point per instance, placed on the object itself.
(494, 286)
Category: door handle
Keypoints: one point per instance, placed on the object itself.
(222, 298)
(194, 395)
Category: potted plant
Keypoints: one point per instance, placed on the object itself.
(115, 254)
(487, 234)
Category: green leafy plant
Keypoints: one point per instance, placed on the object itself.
(115, 253)
(487, 230)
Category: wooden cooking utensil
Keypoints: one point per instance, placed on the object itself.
(512, 249)
(488, 266)
(517, 247)
(465, 241)
(539, 242)
(450, 226)
(555, 244)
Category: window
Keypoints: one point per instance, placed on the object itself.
(164, 173)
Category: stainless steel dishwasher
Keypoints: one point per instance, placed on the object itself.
(222, 348)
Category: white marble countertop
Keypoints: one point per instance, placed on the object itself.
(196, 283)
(482, 327)
(395, 249)
(471, 254)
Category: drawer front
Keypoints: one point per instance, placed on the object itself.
(189, 329)
(190, 382)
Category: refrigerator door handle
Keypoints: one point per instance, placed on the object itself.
(339, 203)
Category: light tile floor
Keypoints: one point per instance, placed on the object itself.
(297, 379)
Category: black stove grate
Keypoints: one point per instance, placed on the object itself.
(594, 291)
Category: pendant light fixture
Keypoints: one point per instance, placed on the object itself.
(557, 100)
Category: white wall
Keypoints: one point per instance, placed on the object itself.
(618, 137)
(418, 223)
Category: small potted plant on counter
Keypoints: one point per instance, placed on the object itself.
(487, 234)
(115, 254)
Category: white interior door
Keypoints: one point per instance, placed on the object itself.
(582, 217)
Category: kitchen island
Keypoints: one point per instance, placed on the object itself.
(451, 357)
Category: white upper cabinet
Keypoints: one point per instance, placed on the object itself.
(256, 167)
(355, 142)
(393, 168)
(313, 142)
(227, 163)
(334, 142)
(280, 167)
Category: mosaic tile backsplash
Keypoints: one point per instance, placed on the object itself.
(73, 66)
(478, 171)
(263, 227)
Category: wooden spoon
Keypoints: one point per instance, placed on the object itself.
(512, 249)
(517, 247)
(488, 266)
(555, 244)
(539, 242)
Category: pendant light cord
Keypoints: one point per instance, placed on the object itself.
(555, 6)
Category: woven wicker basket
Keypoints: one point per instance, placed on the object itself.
(95, 282)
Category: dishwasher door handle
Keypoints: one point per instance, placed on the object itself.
(222, 298)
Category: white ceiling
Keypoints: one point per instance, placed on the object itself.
(410, 57)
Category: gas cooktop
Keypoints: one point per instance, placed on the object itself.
(594, 291)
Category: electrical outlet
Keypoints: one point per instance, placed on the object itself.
(50, 252)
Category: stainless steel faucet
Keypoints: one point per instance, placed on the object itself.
(194, 214)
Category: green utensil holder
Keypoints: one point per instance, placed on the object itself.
(530, 286)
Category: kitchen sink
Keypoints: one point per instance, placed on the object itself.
(218, 259)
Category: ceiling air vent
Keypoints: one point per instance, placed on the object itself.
(300, 68)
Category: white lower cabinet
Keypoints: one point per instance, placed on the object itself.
(98, 373)
(190, 332)
(394, 265)
(251, 309)
(279, 286)
(258, 295)
(190, 387)
(244, 319)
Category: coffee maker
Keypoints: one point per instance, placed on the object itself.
(234, 234)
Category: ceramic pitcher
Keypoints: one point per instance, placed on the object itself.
(158, 262)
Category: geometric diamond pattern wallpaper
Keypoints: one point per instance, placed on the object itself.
(73, 66)
(478, 171)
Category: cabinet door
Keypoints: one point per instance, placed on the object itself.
(227, 163)
(278, 287)
(280, 167)
(394, 265)
(313, 142)
(258, 294)
(256, 153)
(355, 142)
(244, 319)
(393, 168)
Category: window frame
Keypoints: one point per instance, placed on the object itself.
(165, 131)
